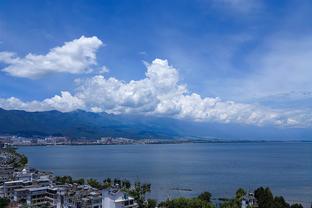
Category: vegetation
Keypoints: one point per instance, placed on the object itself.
(198, 202)
(68, 179)
(80, 181)
(17, 160)
(236, 201)
(151, 203)
(205, 196)
(64, 179)
(4, 202)
(138, 193)
(264, 197)
(94, 183)
(107, 183)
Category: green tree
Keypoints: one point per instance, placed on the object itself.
(240, 193)
(185, 203)
(23, 160)
(205, 196)
(235, 202)
(151, 203)
(279, 202)
(107, 183)
(264, 197)
(64, 179)
(94, 183)
(80, 181)
(138, 193)
(117, 182)
(125, 184)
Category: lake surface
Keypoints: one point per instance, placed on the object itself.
(219, 168)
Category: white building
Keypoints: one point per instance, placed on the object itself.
(39, 196)
(249, 201)
(114, 198)
(9, 187)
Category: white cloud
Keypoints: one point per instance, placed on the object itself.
(65, 102)
(103, 70)
(159, 93)
(73, 57)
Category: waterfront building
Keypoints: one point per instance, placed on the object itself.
(10, 186)
(39, 196)
(114, 198)
(24, 175)
(249, 200)
(6, 173)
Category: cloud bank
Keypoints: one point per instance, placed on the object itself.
(160, 93)
(73, 57)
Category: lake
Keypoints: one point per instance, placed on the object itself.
(220, 168)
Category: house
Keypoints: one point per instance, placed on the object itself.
(114, 198)
(38, 196)
(10, 186)
(249, 200)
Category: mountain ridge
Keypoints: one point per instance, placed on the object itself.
(82, 124)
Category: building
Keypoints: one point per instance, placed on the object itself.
(93, 200)
(23, 175)
(249, 200)
(115, 198)
(6, 173)
(85, 196)
(9, 187)
(39, 196)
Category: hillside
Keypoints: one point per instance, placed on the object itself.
(78, 124)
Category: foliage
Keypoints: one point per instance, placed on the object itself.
(80, 181)
(265, 199)
(94, 183)
(235, 202)
(279, 202)
(125, 184)
(185, 203)
(240, 193)
(107, 183)
(231, 204)
(4, 202)
(138, 193)
(63, 180)
(23, 160)
(151, 203)
(205, 196)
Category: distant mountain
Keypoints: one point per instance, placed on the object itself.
(81, 124)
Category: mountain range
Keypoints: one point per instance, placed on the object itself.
(82, 124)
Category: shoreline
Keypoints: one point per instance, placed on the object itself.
(163, 143)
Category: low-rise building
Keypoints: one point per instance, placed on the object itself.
(115, 198)
(39, 196)
(249, 200)
(10, 186)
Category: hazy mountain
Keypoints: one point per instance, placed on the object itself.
(79, 123)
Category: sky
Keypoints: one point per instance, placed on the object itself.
(226, 61)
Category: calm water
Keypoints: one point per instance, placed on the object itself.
(218, 168)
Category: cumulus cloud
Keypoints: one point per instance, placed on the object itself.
(64, 102)
(160, 93)
(73, 57)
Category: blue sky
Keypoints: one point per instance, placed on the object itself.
(257, 54)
